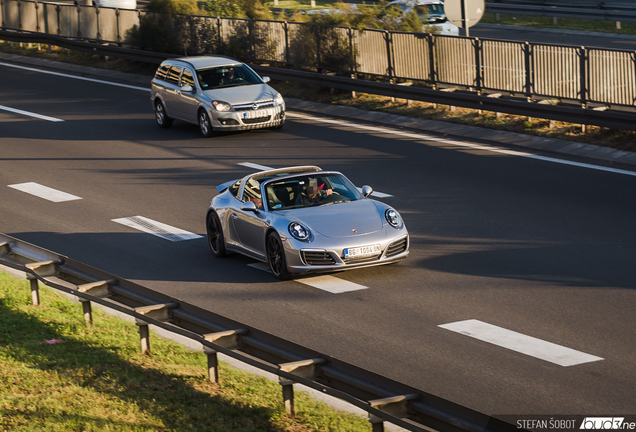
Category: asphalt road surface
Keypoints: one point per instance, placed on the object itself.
(553, 36)
(500, 243)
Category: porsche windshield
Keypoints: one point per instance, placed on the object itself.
(310, 190)
(226, 76)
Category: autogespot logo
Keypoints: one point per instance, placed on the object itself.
(604, 423)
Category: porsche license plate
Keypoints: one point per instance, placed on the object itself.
(254, 114)
(362, 252)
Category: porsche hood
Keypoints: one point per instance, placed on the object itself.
(340, 220)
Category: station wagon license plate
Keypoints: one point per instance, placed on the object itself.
(362, 252)
(255, 114)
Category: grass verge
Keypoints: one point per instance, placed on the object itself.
(614, 138)
(96, 379)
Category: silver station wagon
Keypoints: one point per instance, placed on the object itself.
(217, 93)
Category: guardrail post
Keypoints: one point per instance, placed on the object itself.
(389, 69)
(431, 60)
(88, 311)
(527, 60)
(144, 336)
(302, 368)
(230, 339)
(478, 69)
(213, 364)
(318, 60)
(286, 29)
(35, 291)
(159, 312)
(397, 406)
(583, 78)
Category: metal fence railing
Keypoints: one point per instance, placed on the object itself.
(382, 398)
(578, 74)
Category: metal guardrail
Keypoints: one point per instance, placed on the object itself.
(560, 10)
(382, 398)
(572, 113)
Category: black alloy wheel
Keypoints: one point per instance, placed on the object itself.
(215, 235)
(276, 257)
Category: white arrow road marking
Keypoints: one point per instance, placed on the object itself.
(519, 342)
(30, 114)
(326, 283)
(156, 228)
(265, 168)
(44, 192)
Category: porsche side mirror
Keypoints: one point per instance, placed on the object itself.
(266, 79)
(367, 190)
(249, 206)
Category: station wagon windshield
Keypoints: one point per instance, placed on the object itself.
(310, 190)
(226, 76)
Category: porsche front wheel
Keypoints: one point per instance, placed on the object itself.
(276, 257)
(215, 235)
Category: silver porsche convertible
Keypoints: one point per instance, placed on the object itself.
(302, 220)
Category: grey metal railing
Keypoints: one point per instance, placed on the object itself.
(577, 74)
(382, 398)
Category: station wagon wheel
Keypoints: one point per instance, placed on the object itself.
(204, 124)
(215, 235)
(276, 257)
(162, 118)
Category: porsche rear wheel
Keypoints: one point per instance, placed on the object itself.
(215, 235)
(276, 257)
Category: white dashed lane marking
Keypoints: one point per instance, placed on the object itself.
(30, 114)
(265, 168)
(521, 343)
(326, 283)
(158, 229)
(44, 192)
(255, 166)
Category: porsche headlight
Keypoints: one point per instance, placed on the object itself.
(278, 100)
(299, 232)
(393, 218)
(222, 106)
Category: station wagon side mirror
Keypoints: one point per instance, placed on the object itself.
(266, 79)
(249, 206)
(187, 89)
(367, 190)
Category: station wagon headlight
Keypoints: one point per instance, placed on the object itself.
(278, 100)
(221, 106)
(299, 232)
(393, 218)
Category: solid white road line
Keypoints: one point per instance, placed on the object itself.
(326, 283)
(44, 192)
(265, 168)
(76, 77)
(519, 342)
(30, 114)
(426, 137)
(157, 228)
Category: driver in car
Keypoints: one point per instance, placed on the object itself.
(312, 193)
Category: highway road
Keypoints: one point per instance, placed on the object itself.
(533, 257)
(554, 36)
